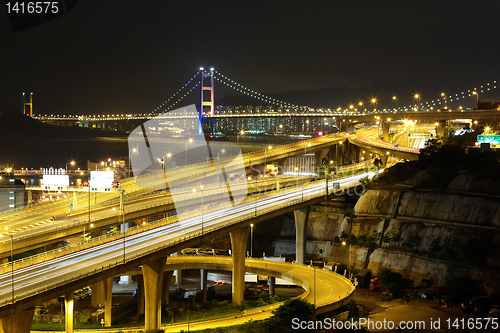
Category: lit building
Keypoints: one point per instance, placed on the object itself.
(11, 192)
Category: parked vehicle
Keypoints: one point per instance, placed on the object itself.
(450, 301)
(374, 284)
(429, 295)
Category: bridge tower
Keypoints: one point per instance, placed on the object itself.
(30, 104)
(207, 99)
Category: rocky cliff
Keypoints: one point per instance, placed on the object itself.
(434, 224)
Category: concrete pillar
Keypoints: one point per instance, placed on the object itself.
(301, 218)
(271, 281)
(239, 239)
(203, 282)
(108, 298)
(386, 125)
(30, 198)
(140, 293)
(18, 323)
(167, 281)
(440, 128)
(75, 201)
(97, 296)
(178, 276)
(318, 155)
(69, 303)
(153, 283)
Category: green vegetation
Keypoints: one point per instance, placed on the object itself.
(393, 283)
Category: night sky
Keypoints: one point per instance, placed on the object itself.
(122, 56)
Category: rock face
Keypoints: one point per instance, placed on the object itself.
(413, 228)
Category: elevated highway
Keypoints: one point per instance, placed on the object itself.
(38, 279)
(326, 289)
(46, 223)
(433, 116)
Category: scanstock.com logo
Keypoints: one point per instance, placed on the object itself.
(167, 153)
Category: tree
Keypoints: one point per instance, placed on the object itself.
(394, 283)
(84, 316)
(292, 308)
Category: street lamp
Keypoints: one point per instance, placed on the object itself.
(72, 163)
(185, 150)
(417, 98)
(280, 126)
(134, 150)
(169, 156)
(251, 240)
(374, 102)
(395, 99)
(221, 151)
(344, 244)
(238, 137)
(265, 157)
(477, 98)
(11, 261)
(201, 189)
(122, 206)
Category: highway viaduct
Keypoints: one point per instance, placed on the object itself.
(152, 264)
(333, 147)
(16, 313)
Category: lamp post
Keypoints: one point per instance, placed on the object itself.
(221, 151)
(134, 150)
(477, 98)
(374, 102)
(11, 262)
(72, 163)
(265, 157)
(394, 98)
(185, 150)
(122, 207)
(314, 268)
(344, 244)
(201, 189)
(417, 98)
(251, 240)
(169, 156)
(238, 136)
(280, 126)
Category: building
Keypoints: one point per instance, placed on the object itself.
(12, 192)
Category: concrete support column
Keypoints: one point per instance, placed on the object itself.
(97, 296)
(108, 298)
(30, 198)
(178, 276)
(75, 201)
(153, 283)
(203, 279)
(167, 281)
(386, 125)
(140, 293)
(301, 218)
(318, 157)
(18, 323)
(239, 239)
(69, 303)
(440, 128)
(271, 281)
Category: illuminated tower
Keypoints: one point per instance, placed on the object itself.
(30, 105)
(207, 99)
